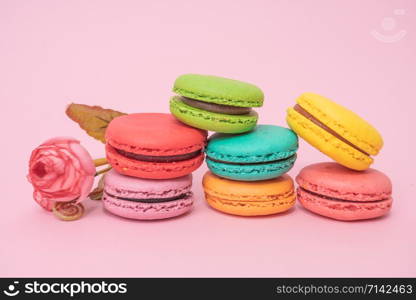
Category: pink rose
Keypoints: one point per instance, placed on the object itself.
(60, 170)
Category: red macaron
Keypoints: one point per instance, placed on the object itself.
(336, 192)
(154, 145)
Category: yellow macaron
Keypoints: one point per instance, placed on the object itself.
(335, 131)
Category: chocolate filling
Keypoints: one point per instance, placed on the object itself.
(314, 120)
(217, 108)
(160, 159)
(152, 200)
(338, 199)
(253, 163)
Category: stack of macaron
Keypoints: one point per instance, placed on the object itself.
(247, 162)
(153, 156)
(347, 190)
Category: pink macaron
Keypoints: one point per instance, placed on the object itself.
(333, 191)
(147, 199)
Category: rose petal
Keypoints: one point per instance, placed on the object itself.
(86, 188)
(45, 203)
(84, 157)
(70, 177)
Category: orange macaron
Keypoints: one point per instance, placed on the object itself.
(254, 198)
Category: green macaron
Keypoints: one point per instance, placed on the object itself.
(216, 103)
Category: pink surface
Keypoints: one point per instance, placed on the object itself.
(333, 180)
(126, 54)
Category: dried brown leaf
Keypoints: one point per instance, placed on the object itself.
(93, 119)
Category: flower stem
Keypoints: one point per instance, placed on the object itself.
(100, 162)
(102, 171)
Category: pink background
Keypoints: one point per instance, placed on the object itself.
(126, 54)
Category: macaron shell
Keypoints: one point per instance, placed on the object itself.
(249, 199)
(264, 143)
(333, 180)
(212, 121)
(218, 90)
(343, 121)
(147, 211)
(343, 210)
(137, 188)
(143, 169)
(247, 209)
(327, 143)
(251, 172)
(154, 134)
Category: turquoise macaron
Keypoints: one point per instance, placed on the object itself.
(266, 152)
